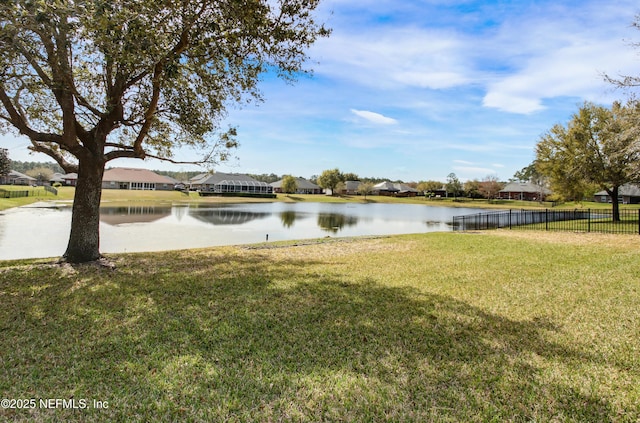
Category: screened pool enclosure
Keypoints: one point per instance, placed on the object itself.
(237, 186)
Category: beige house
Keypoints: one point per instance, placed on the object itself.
(394, 190)
(69, 179)
(17, 178)
(135, 179)
(627, 194)
(304, 186)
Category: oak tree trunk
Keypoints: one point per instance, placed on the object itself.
(84, 240)
(614, 203)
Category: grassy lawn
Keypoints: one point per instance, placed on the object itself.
(500, 326)
(35, 194)
(627, 225)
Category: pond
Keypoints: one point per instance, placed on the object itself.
(42, 230)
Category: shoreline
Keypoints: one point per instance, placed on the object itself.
(109, 196)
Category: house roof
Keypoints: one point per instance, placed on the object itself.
(385, 186)
(627, 190)
(217, 177)
(17, 175)
(125, 174)
(59, 177)
(405, 188)
(352, 185)
(525, 187)
(393, 187)
(301, 182)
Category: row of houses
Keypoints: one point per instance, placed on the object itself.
(224, 183)
(16, 178)
(627, 194)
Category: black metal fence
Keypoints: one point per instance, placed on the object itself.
(4, 193)
(584, 220)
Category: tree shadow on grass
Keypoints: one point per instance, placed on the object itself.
(237, 339)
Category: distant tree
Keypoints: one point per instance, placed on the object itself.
(329, 179)
(23, 167)
(528, 173)
(490, 186)
(373, 180)
(365, 188)
(41, 174)
(268, 178)
(289, 184)
(454, 185)
(181, 176)
(350, 177)
(595, 147)
(5, 163)
(93, 81)
(429, 187)
(472, 189)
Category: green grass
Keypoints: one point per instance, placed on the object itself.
(36, 194)
(506, 326)
(628, 224)
(625, 226)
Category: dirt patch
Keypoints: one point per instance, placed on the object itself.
(329, 248)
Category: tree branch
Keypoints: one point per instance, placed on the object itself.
(59, 158)
(17, 120)
(128, 152)
(158, 70)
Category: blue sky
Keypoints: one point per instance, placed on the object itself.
(417, 89)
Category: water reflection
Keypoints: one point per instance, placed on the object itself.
(44, 232)
(226, 216)
(180, 211)
(120, 215)
(288, 218)
(230, 215)
(334, 222)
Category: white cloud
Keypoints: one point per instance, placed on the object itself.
(562, 57)
(396, 57)
(569, 72)
(374, 117)
(545, 51)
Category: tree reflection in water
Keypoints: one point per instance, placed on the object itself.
(334, 222)
(288, 218)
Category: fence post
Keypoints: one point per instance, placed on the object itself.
(510, 218)
(546, 219)
(588, 220)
